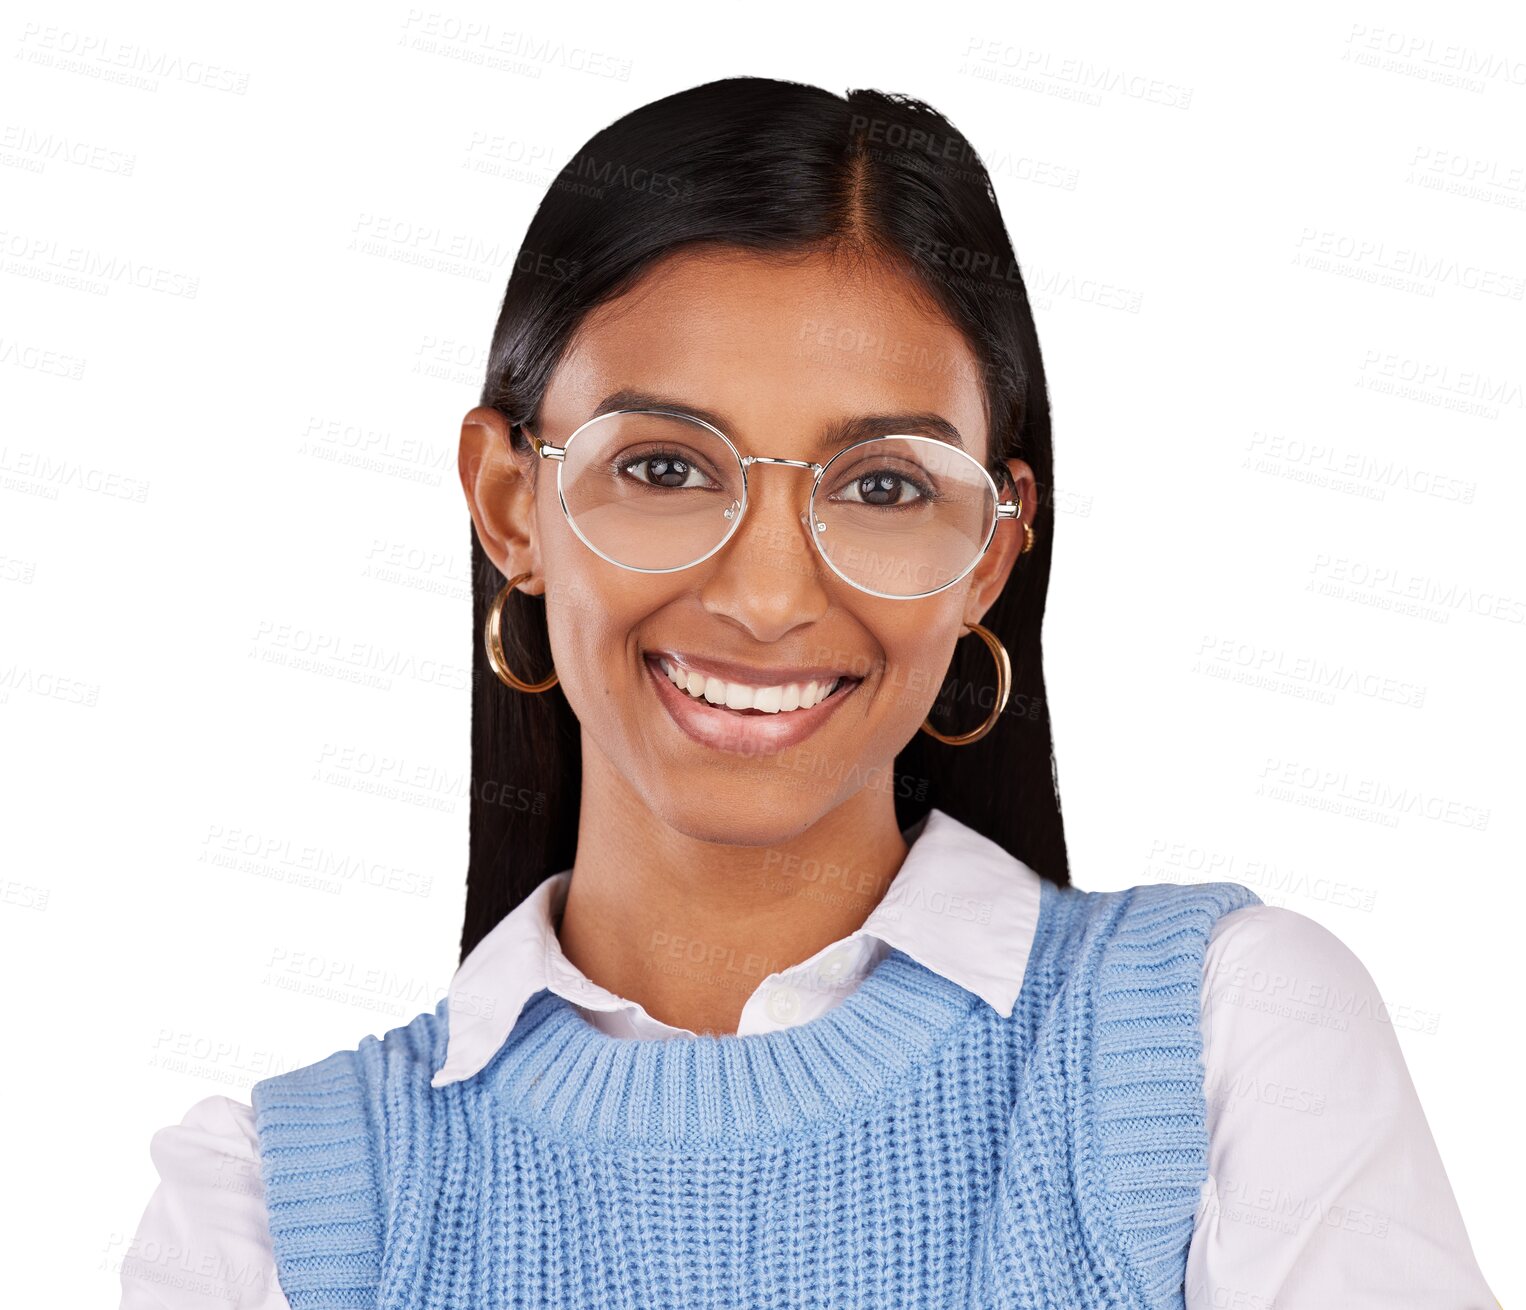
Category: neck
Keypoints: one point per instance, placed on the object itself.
(687, 911)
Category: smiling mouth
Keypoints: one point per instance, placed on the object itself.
(781, 700)
(742, 727)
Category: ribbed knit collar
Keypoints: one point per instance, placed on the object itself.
(563, 1075)
(960, 906)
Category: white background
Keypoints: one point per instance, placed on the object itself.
(250, 260)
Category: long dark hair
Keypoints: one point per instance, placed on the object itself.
(769, 165)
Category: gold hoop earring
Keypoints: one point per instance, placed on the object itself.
(493, 640)
(1028, 539)
(1003, 690)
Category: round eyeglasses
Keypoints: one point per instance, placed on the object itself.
(656, 491)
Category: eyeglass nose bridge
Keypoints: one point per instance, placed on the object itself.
(747, 461)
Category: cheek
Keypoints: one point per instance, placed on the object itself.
(596, 614)
(915, 669)
(558, 543)
(583, 592)
(919, 646)
(590, 637)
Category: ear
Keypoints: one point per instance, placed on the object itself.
(500, 492)
(990, 575)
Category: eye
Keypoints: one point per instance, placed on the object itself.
(667, 469)
(886, 488)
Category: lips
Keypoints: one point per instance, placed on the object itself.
(743, 731)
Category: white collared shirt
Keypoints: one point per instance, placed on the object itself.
(1322, 1113)
(947, 889)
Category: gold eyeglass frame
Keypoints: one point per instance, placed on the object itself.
(1005, 509)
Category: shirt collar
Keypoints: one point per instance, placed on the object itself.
(959, 904)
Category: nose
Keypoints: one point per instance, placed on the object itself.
(768, 577)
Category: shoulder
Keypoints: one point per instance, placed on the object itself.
(338, 1116)
(1291, 1015)
(1123, 1030)
(341, 1118)
(210, 1154)
(1111, 940)
(209, 1200)
(1149, 912)
(1275, 950)
(1277, 980)
(215, 1126)
(1310, 1099)
(1151, 899)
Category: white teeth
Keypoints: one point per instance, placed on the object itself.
(739, 696)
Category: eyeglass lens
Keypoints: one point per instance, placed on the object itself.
(898, 516)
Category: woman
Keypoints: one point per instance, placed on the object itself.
(774, 989)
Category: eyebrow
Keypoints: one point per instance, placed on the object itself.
(839, 433)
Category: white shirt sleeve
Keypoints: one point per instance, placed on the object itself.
(1325, 1186)
(204, 1239)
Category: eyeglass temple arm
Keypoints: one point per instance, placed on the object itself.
(1007, 509)
(542, 448)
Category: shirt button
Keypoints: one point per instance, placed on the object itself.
(783, 1004)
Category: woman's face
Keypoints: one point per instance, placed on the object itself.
(779, 350)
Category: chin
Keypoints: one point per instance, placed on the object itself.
(748, 814)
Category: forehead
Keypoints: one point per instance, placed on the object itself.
(781, 345)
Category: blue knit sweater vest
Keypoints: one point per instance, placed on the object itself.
(908, 1148)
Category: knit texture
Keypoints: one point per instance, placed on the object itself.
(908, 1148)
